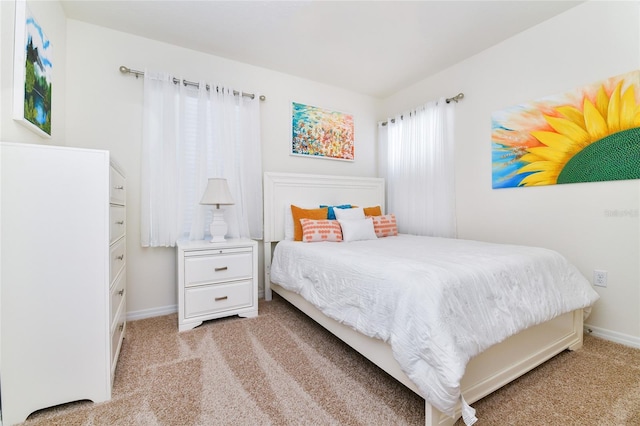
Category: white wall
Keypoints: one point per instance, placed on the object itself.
(104, 111)
(53, 21)
(586, 44)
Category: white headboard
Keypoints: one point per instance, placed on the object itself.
(307, 191)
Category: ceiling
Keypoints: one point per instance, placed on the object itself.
(371, 47)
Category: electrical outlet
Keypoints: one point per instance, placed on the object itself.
(600, 278)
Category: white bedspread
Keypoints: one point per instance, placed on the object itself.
(438, 302)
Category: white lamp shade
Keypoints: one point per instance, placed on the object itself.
(217, 192)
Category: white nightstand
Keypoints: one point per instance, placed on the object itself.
(216, 280)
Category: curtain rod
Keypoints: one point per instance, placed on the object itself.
(126, 70)
(455, 99)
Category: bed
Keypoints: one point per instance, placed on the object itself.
(491, 368)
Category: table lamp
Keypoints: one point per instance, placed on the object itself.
(217, 193)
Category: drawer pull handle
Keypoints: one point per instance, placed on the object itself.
(121, 292)
(224, 268)
(218, 299)
(118, 187)
(120, 257)
(120, 222)
(121, 326)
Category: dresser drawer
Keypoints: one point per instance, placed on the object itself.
(117, 227)
(117, 295)
(117, 334)
(116, 258)
(117, 189)
(219, 268)
(218, 298)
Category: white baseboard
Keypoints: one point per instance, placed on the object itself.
(153, 312)
(613, 336)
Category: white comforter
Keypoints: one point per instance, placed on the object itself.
(438, 302)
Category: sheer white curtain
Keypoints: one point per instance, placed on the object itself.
(189, 135)
(416, 158)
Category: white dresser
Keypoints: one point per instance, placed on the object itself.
(216, 280)
(63, 286)
(117, 262)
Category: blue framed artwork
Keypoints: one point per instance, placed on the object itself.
(33, 73)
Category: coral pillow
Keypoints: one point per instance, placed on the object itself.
(320, 230)
(385, 226)
(298, 213)
(373, 211)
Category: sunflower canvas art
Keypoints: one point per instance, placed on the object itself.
(587, 135)
(321, 133)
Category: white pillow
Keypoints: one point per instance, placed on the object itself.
(357, 229)
(288, 223)
(353, 213)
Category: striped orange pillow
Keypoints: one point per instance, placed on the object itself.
(320, 230)
(385, 226)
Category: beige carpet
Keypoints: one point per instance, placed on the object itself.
(283, 369)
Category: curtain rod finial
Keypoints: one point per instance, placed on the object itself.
(456, 98)
(124, 69)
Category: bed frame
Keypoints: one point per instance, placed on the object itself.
(490, 370)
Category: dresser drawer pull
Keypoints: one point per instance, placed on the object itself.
(218, 299)
(121, 292)
(120, 222)
(224, 268)
(120, 257)
(118, 187)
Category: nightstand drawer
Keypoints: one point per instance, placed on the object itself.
(217, 298)
(200, 270)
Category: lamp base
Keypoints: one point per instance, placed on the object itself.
(218, 227)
